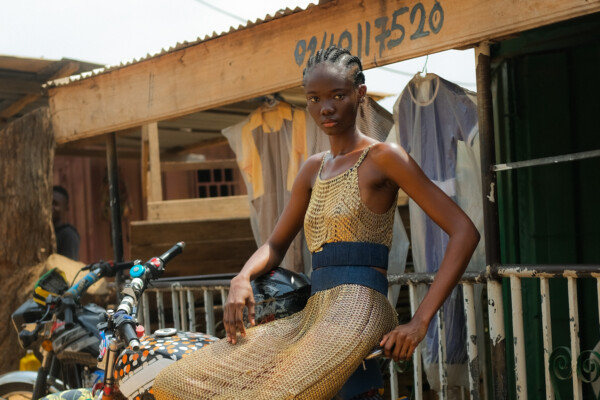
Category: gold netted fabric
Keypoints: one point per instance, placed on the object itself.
(336, 212)
(308, 355)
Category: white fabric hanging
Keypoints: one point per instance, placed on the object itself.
(436, 123)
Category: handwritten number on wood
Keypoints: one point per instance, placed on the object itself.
(381, 23)
(393, 37)
(419, 32)
(396, 26)
(436, 17)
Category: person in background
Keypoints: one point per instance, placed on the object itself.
(67, 237)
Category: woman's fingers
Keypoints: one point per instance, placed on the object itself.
(401, 343)
(251, 314)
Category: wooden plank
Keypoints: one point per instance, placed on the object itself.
(208, 257)
(154, 188)
(211, 208)
(204, 251)
(145, 168)
(195, 165)
(270, 56)
(164, 232)
(18, 105)
(66, 70)
(21, 85)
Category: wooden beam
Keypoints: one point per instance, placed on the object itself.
(214, 208)
(154, 188)
(269, 57)
(68, 69)
(145, 170)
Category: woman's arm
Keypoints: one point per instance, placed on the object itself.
(402, 170)
(271, 253)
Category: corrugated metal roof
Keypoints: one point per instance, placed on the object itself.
(178, 46)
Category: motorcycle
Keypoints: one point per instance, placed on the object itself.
(65, 331)
(131, 359)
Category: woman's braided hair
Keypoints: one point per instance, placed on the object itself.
(337, 56)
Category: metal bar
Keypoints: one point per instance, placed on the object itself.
(175, 306)
(191, 308)
(574, 329)
(497, 339)
(548, 271)
(487, 152)
(394, 390)
(443, 394)
(116, 232)
(547, 334)
(518, 337)
(160, 308)
(491, 232)
(210, 312)
(472, 351)
(158, 284)
(598, 294)
(546, 160)
(183, 310)
(146, 312)
(424, 277)
(223, 292)
(417, 361)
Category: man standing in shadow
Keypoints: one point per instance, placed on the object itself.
(67, 237)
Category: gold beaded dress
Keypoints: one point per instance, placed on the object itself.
(310, 354)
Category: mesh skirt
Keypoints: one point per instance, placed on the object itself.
(308, 355)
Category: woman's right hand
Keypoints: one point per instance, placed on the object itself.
(240, 296)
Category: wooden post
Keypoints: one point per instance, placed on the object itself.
(145, 171)
(490, 212)
(154, 188)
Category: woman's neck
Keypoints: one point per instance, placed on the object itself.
(344, 144)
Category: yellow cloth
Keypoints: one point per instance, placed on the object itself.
(270, 120)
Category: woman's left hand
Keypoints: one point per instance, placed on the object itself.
(401, 342)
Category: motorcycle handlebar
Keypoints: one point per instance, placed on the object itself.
(172, 252)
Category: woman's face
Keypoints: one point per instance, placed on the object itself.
(332, 98)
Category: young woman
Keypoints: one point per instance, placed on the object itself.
(346, 199)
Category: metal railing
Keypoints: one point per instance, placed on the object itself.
(583, 366)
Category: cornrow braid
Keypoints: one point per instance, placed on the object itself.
(337, 56)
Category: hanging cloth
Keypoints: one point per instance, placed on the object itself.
(434, 119)
(270, 146)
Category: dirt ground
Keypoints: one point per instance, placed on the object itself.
(17, 287)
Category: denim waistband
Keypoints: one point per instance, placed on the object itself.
(330, 277)
(358, 254)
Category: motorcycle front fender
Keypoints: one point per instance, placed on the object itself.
(29, 377)
(19, 376)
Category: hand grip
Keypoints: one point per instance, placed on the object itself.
(172, 252)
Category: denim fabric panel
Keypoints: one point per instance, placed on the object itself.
(362, 380)
(351, 253)
(329, 277)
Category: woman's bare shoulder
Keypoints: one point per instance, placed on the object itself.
(310, 168)
(384, 153)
